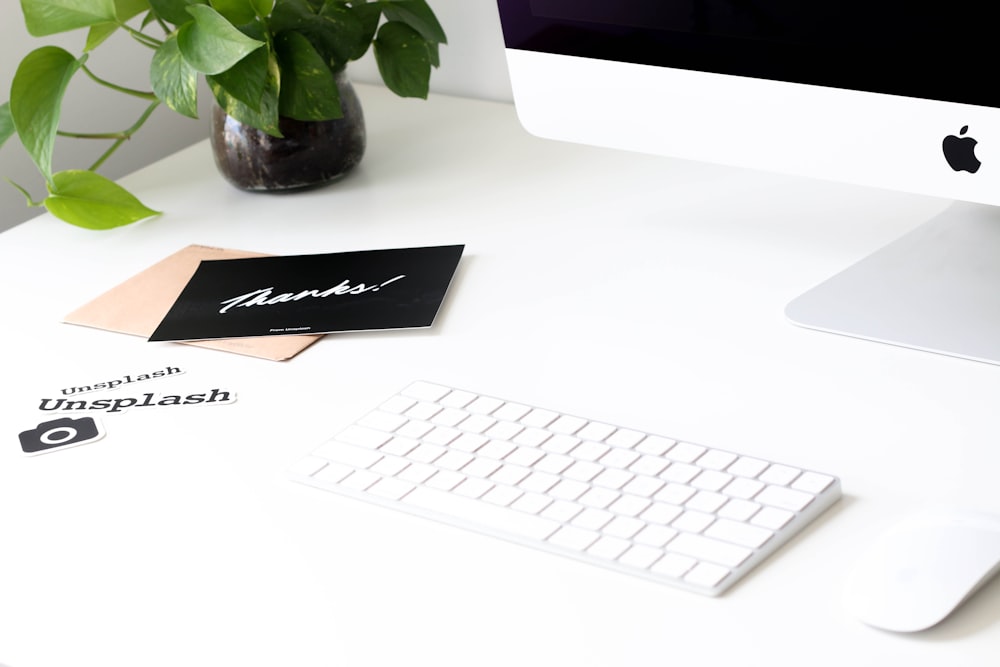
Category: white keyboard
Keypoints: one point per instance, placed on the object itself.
(669, 511)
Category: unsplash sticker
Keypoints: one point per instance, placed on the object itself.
(79, 404)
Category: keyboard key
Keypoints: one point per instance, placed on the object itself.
(655, 536)
(332, 472)
(561, 510)
(421, 410)
(502, 495)
(661, 514)
(608, 547)
(348, 454)
(685, 452)
(692, 521)
(738, 509)
(673, 565)
(706, 574)
(779, 474)
(511, 412)
(425, 391)
(715, 459)
(391, 488)
(704, 548)
(573, 538)
(640, 556)
(595, 431)
(382, 421)
(812, 482)
(477, 424)
(539, 418)
(566, 424)
(746, 466)
(771, 517)
(560, 443)
(669, 511)
(466, 509)
(398, 404)
(457, 399)
(779, 496)
(655, 445)
(363, 437)
(532, 503)
(531, 437)
(484, 405)
(624, 437)
(592, 519)
(738, 533)
(503, 430)
(449, 417)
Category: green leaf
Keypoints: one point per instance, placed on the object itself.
(266, 117)
(129, 9)
(98, 34)
(370, 14)
(418, 15)
(48, 17)
(125, 10)
(237, 12)
(403, 60)
(336, 32)
(308, 88)
(174, 81)
(210, 43)
(342, 33)
(89, 200)
(6, 123)
(36, 95)
(247, 79)
(174, 11)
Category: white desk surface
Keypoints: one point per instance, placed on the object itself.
(643, 291)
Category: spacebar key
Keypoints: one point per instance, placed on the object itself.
(481, 514)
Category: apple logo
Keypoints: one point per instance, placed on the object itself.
(960, 152)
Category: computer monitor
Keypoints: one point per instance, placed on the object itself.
(886, 93)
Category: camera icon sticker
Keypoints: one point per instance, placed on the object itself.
(60, 433)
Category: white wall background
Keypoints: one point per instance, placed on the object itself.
(472, 65)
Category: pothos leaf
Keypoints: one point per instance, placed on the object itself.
(48, 17)
(210, 43)
(246, 80)
(266, 117)
(403, 60)
(124, 10)
(308, 88)
(174, 11)
(89, 200)
(174, 81)
(36, 95)
(6, 123)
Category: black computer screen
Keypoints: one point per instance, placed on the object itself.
(940, 51)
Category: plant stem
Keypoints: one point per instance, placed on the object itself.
(119, 137)
(127, 134)
(162, 24)
(128, 91)
(141, 37)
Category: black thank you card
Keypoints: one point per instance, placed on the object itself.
(312, 294)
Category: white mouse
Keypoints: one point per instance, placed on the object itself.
(923, 568)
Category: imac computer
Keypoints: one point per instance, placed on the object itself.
(884, 93)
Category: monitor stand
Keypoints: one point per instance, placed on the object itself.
(935, 289)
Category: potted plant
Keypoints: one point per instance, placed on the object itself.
(270, 64)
